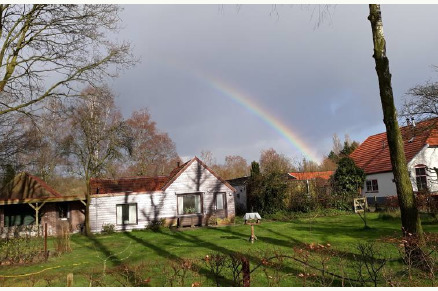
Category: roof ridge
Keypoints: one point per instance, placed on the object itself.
(313, 171)
(133, 177)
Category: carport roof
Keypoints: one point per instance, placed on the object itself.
(26, 188)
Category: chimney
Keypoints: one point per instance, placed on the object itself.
(412, 123)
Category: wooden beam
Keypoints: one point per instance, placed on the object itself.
(37, 209)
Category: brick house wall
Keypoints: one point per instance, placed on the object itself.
(55, 224)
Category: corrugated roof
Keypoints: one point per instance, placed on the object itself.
(311, 175)
(238, 181)
(373, 154)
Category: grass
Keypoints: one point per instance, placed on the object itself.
(156, 258)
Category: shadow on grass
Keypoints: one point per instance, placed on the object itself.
(170, 256)
(195, 240)
(105, 255)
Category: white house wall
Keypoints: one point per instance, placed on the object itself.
(385, 182)
(196, 178)
(150, 206)
(427, 156)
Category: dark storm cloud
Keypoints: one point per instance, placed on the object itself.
(318, 81)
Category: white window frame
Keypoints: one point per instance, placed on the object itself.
(372, 188)
(180, 198)
(130, 221)
(420, 185)
(223, 205)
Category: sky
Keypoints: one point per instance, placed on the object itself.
(236, 80)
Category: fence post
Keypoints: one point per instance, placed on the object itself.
(69, 279)
(246, 272)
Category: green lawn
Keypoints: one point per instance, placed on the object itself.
(156, 258)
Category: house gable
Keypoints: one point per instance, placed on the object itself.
(197, 178)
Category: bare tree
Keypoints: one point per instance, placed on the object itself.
(271, 161)
(337, 145)
(423, 103)
(409, 214)
(12, 143)
(234, 167)
(98, 136)
(208, 158)
(43, 135)
(46, 50)
(153, 152)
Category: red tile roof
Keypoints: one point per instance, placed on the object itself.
(311, 175)
(373, 154)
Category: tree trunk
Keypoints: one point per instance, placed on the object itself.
(87, 209)
(409, 214)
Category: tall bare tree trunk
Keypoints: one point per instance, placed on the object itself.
(411, 222)
(87, 209)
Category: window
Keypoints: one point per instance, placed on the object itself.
(19, 214)
(189, 204)
(126, 214)
(63, 211)
(220, 201)
(421, 176)
(372, 186)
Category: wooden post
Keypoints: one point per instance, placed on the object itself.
(37, 215)
(45, 241)
(37, 209)
(252, 237)
(69, 279)
(246, 272)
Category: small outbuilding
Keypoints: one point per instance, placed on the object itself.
(27, 203)
(192, 194)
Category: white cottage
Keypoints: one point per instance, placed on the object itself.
(421, 150)
(191, 195)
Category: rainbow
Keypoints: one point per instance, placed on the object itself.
(275, 123)
(249, 104)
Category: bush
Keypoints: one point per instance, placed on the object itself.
(288, 216)
(21, 250)
(389, 215)
(155, 225)
(108, 228)
(391, 203)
